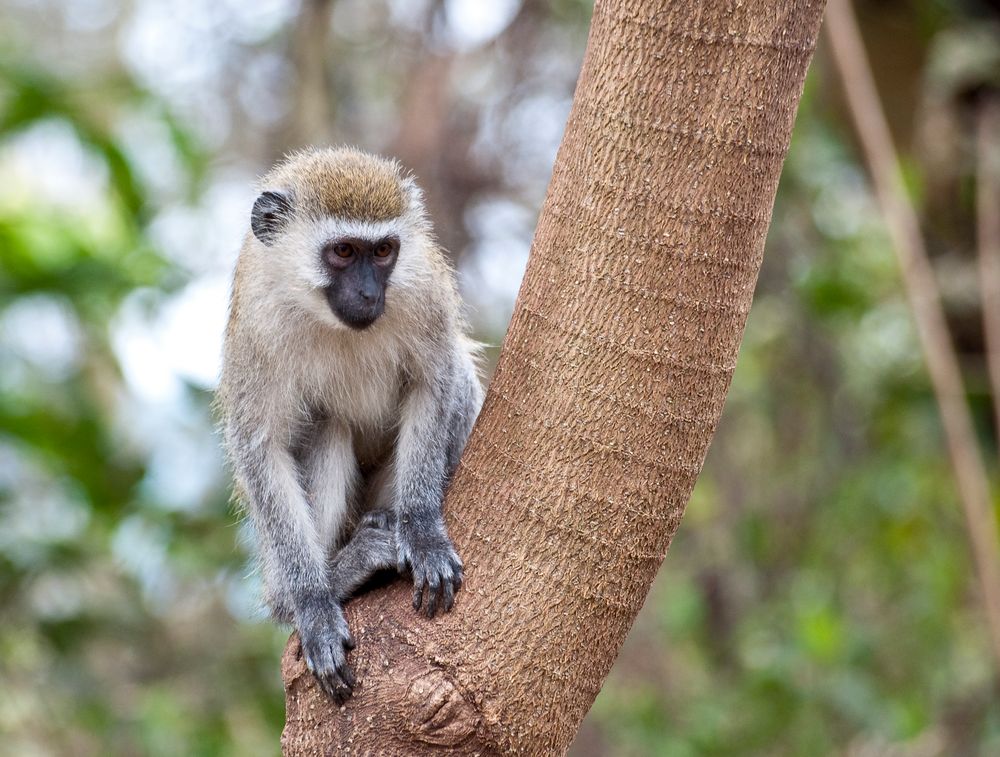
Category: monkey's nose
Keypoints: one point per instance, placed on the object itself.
(369, 296)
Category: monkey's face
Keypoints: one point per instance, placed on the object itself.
(337, 266)
(359, 272)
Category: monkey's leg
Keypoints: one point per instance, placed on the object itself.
(422, 544)
(294, 560)
(333, 480)
(335, 485)
(369, 551)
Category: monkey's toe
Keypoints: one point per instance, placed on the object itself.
(435, 590)
(339, 683)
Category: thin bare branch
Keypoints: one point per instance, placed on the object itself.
(988, 236)
(311, 120)
(922, 291)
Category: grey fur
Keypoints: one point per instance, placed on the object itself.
(343, 441)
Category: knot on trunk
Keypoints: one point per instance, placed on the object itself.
(439, 714)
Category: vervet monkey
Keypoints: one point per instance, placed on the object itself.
(348, 390)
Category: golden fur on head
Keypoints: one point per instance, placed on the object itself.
(341, 182)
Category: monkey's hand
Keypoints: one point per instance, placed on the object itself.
(326, 640)
(427, 551)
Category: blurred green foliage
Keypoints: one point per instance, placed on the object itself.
(819, 597)
(92, 661)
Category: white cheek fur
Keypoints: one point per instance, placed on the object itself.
(295, 275)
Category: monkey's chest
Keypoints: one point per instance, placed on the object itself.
(370, 409)
(364, 393)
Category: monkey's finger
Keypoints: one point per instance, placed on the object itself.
(347, 676)
(433, 592)
(338, 662)
(418, 591)
(449, 595)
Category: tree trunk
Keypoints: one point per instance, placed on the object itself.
(610, 384)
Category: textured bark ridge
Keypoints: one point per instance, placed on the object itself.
(611, 382)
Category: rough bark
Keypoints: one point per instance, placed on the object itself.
(610, 384)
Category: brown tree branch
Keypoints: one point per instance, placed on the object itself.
(611, 381)
(921, 289)
(988, 235)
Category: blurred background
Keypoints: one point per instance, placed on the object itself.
(820, 596)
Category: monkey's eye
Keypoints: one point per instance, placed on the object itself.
(343, 250)
(384, 250)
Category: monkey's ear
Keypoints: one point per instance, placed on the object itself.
(271, 212)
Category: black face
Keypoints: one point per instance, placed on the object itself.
(359, 273)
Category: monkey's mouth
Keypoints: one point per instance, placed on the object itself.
(355, 312)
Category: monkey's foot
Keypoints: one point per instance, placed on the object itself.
(436, 569)
(383, 520)
(326, 640)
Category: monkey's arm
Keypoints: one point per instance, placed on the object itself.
(293, 559)
(468, 401)
(422, 543)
